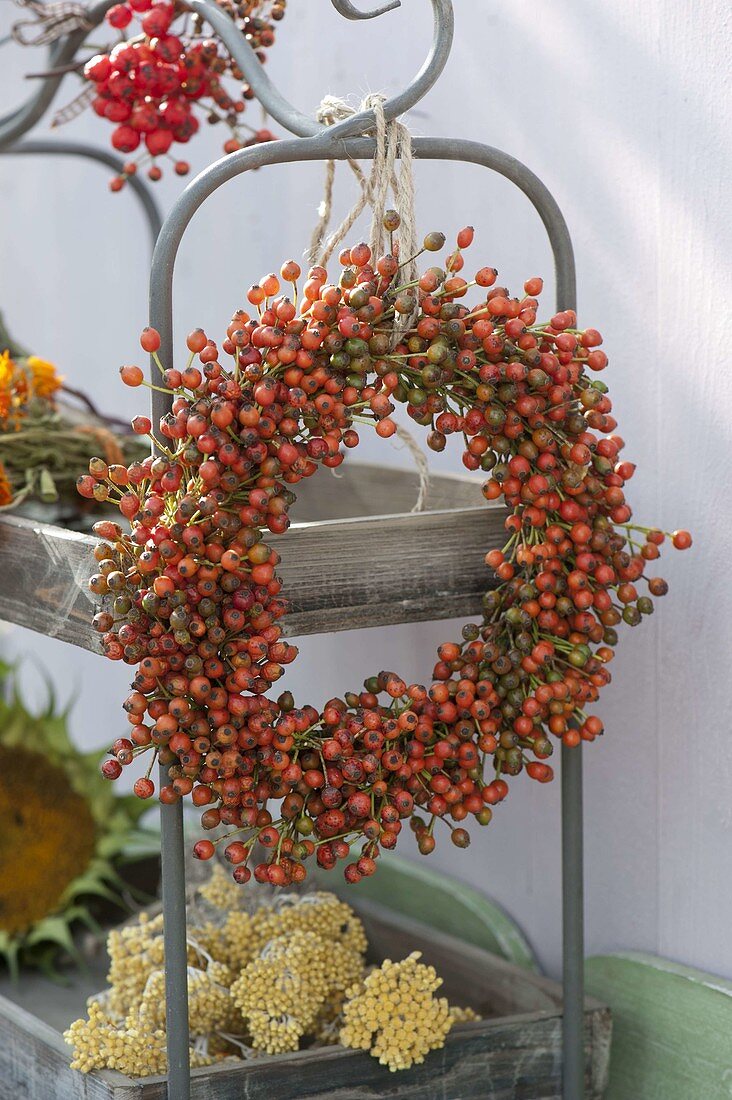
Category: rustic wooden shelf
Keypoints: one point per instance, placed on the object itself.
(354, 557)
(514, 1051)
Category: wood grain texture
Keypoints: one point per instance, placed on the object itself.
(34, 1064)
(671, 1028)
(339, 574)
(512, 1054)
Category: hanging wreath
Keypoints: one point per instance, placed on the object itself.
(163, 76)
(195, 601)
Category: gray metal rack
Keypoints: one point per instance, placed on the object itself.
(312, 142)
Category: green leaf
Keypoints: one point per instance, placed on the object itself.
(10, 950)
(141, 844)
(55, 930)
(133, 806)
(47, 487)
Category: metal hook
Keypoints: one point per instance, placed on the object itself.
(346, 8)
(296, 121)
(139, 189)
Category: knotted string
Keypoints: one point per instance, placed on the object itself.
(420, 461)
(393, 142)
(53, 21)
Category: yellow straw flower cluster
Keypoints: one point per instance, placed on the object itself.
(462, 1014)
(261, 981)
(394, 1014)
(320, 912)
(135, 951)
(283, 992)
(220, 890)
(244, 933)
(210, 1006)
(100, 1042)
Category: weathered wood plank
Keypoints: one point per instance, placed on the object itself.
(340, 574)
(671, 1028)
(511, 1056)
(471, 976)
(507, 1059)
(358, 489)
(512, 1059)
(34, 1064)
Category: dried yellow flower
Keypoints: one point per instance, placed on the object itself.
(283, 992)
(394, 1014)
(264, 980)
(210, 1005)
(220, 890)
(130, 1047)
(460, 1014)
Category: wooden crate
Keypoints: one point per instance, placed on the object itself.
(514, 1053)
(385, 565)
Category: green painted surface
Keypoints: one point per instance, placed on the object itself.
(443, 903)
(672, 1028)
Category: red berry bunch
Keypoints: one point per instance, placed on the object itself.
(154, 86)
(192, 598)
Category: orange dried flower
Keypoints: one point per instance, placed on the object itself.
(6, 489)
(43, 377)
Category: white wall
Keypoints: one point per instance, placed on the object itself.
(620, 109)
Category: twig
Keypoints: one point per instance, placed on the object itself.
(85, 400)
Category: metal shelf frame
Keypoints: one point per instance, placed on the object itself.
(314, 142)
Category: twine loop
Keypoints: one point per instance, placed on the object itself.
(52, 21)
(393, 143)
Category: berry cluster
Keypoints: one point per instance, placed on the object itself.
(195, 602)
(154, 86)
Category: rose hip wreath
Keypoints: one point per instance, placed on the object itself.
(195, 602)
(152, 85)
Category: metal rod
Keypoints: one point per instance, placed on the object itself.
(150, 208)
(573, 941)
(573, 953)
(173, 875)
(295, 120)
(346, 8)
(325, 146)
